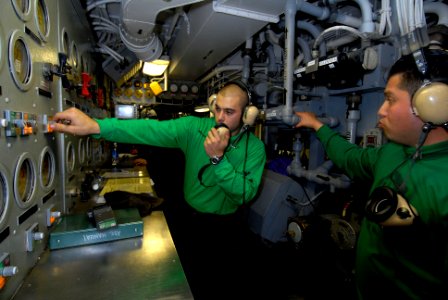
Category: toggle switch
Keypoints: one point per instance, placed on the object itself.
(6, 270)
(32, 235)
(52, 215)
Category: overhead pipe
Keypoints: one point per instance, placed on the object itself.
(321, 13)
(306, 51)
(367, 16)
(138, 22)
(246, 61)
(227, 68)
(315, 31)
(290, 15)
(286, 112)
(438, 8)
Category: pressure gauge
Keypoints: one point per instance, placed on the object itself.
(75, 56)
(42, 20)
(184, 88)
(81, 151)
(174, 88)
(47, 168)
(66, 43)
(19, 61)
(4, 195)
(22, 9)
(194, 89)
(24, 180)
(70, 158)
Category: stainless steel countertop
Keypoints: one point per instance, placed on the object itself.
(147, 267)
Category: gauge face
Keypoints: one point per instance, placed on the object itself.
(194, 89)
(75, 55)
(81, 151)
(173, 88)
(3, 195)
(89, 150)
(19, 61)
(66, 44)
(22, 8)
(23, 183)
(47, 168)
(24, 180)
(42, 20)
(70, 158)
(83, 67)
(184, 88)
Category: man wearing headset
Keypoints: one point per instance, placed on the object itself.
(223, 168)
(403, 255)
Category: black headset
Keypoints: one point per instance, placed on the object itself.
(388, 208)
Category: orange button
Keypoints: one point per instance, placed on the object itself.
(2, 282)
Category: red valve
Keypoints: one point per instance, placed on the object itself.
(85, 85)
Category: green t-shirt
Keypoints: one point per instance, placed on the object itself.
(400, 262)
(225, 185)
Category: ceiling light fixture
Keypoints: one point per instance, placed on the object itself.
(202, 108)
(156, 67)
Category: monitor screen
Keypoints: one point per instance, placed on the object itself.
(126, 111)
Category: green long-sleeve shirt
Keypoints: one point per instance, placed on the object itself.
(404, 262)
(224, 186)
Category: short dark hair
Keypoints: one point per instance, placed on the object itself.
(412, 78)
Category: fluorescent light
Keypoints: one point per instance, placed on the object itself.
(202, 108)
(156, 67)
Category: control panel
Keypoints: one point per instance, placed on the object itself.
(40, 74)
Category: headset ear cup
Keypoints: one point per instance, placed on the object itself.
(212, 103)
(430, 103)
(250, 115)
(381, 204)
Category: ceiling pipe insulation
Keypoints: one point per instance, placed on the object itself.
(138, 22)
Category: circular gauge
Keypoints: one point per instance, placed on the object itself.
(149, 94)
(47, 168)
(128, 92)
(138, 84)
(65, 43)
(75, 55)
(184, 88)
(42, 20)
(118, 92)
(24, 180)
(83, 67)
(194, 89)
(2, 43)
(70, 158)
(138, 93)
(89, 149)
(174, 88)
(4, 194)
(19, 61)
(81, 151)
(22, 9)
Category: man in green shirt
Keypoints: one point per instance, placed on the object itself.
(232, 164)
(223, 170)
(402, 249)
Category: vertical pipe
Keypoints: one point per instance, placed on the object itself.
(290, 14)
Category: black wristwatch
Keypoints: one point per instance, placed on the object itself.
(214, 160)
